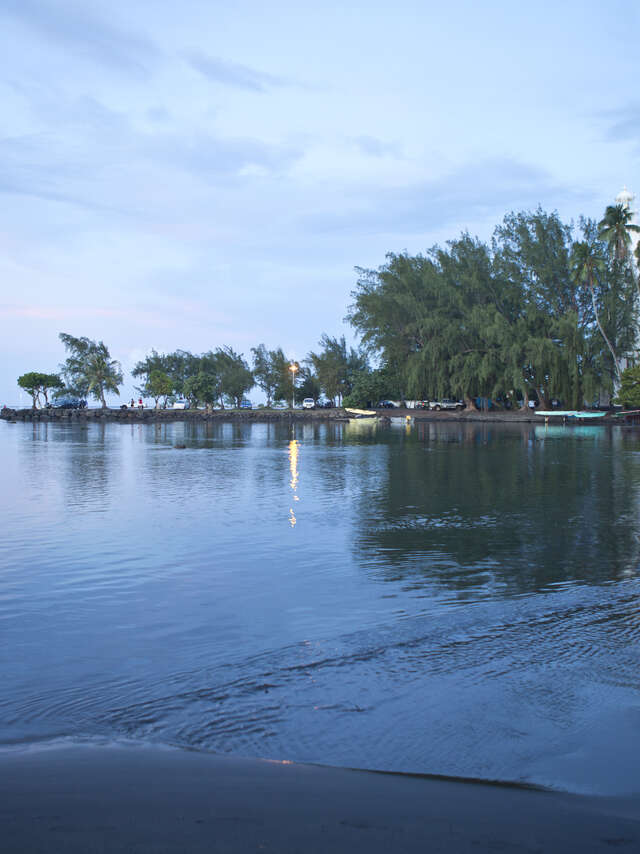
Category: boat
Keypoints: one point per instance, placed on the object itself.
(568, 413)
(360, 413)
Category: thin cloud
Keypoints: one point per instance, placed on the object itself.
(622, 124)
(81, 163)
(72, 27)
(215, 158)
(37, 165)
(39, 312)
(475, 190)
(375, 147)
(233, 73)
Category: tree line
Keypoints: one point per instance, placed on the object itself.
(216, 378)
(544, 310)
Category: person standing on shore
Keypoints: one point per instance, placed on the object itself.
(140, 403)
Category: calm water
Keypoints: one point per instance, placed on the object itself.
(437, 598)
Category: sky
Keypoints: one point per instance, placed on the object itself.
(203, 173)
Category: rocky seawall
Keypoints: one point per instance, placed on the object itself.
(148, 415)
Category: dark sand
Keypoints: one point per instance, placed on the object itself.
(142, 799)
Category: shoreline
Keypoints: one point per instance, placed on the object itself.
(248, 416)
(94, 798)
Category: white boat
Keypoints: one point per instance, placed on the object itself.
(569, 413)
(360, 413)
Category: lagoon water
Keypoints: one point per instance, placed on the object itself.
(438, 597)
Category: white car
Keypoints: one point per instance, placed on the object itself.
(181, 404)
(308, 403)
(446, 403)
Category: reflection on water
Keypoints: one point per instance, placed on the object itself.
(579, 431)
(461, 599)
(293, 483)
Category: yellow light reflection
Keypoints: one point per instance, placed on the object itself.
(293, 483)
(293, 463)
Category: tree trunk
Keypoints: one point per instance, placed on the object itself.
(469, 404)
(578, 397)
(525, 401)
(543, 402)
(604, 334)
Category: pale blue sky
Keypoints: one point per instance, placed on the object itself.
(203, 173)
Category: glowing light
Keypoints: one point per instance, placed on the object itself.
(293, 367)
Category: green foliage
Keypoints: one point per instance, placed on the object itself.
(615, 228)
(544, 308)
(37, 383)
(89, 368)
(271, 373)
(236, 378)
(629, 391)
(158, 385)
(370, 387)
(535, 309)
(210, 378)
(307, 385)
(179, 366)
(336, 367)
(204, 387)
(610, 291)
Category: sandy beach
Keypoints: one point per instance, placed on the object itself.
(86, 798)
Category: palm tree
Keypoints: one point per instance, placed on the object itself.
(89, 368)
(615, 228)
(586, 265)
(102, 374)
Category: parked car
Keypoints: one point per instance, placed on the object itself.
(446, 403)
(308, 403)
(69, 403)
(245, 404)
(181, 403)
(386, 404)
(328, 404)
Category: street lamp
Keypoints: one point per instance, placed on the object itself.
(293, 368)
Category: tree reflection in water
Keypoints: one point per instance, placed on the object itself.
(492, 509)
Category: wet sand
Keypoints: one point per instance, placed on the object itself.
(147, 799)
